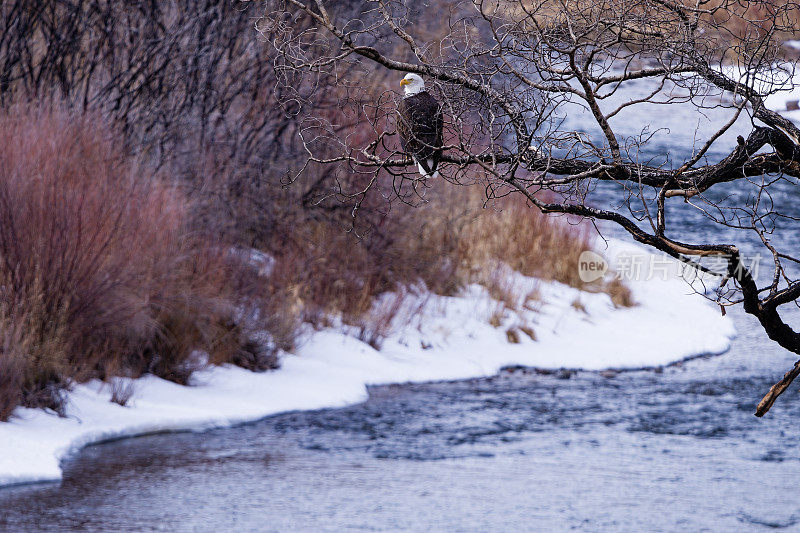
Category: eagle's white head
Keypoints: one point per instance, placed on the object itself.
(412, 84)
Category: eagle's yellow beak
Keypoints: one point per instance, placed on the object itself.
(404, 82)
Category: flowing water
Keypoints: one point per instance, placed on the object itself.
(663, 450)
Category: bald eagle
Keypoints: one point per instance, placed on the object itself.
(419, 124)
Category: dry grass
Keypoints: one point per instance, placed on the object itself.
(527, 241)
(33, 360)
(527, 330)
(577, 304)
(512, 336)
(451, 241)
(446, 244)
(620, 294)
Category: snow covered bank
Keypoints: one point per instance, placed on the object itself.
(451, 339)
(782, 86)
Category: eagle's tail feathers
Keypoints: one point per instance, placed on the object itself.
(432, 165)
(427, 168)
(423, 171)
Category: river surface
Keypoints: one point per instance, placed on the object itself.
(674, 449)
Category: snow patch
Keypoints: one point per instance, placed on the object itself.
(782, 84)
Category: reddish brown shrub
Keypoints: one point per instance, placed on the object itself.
(98, 273)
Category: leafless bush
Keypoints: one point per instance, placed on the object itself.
(99, 275)
(122, 391)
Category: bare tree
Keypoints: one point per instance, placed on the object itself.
(511, 73)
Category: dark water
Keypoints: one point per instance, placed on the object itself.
(678, 450)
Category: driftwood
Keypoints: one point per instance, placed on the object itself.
(766, 403)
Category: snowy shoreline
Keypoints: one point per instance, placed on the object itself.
(452, 339)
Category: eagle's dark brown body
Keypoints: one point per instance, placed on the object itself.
(419, 125)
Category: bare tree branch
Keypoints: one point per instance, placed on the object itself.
(511, 76)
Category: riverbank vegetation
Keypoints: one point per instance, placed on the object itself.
(152, 219)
